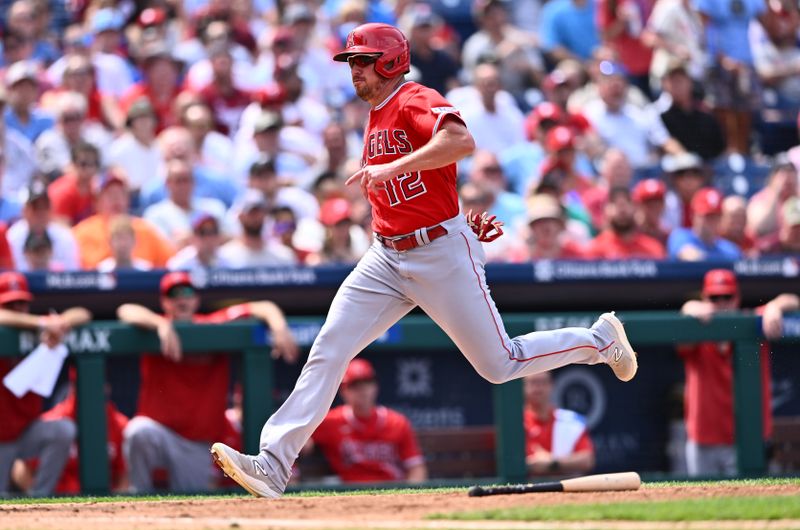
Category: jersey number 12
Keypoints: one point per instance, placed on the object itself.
(410, 186)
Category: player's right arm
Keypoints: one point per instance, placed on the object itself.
(449, 144)
(141, 316)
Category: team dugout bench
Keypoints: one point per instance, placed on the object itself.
(92, 344)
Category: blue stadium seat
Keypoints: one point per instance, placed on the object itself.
(738, 175)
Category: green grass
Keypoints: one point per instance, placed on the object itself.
(708, 509)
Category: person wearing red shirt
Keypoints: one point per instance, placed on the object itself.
(6, 257)
(366, 442)
(621, 23)
(70, 481)
(160, 85)
(708, 394)
(621, 238)
(24, 434)
(221, 95)
(72, 194)
(648, 194)
(556, 440)
(165, 434)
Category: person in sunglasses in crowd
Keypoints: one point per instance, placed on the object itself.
(708, 393)
(165, 434)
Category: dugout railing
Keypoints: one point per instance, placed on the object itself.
(92, 344)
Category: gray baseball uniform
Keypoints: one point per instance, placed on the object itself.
(50, 442)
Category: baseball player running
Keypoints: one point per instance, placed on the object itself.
(425, 254)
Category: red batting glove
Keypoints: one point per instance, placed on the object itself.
(486, 227)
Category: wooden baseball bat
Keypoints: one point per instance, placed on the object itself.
(605, 482)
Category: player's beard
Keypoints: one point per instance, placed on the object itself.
(623, 226)
(366, 91)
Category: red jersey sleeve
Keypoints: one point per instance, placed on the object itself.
(426, 109)
(584, 443)
(408, 449)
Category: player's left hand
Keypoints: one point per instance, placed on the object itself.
(284, 345)
(772, 322)
(373, 177)
(485, 226)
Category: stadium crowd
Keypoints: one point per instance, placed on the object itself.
(208, 133)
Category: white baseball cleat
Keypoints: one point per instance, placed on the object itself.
(246, 470)
(620, 355)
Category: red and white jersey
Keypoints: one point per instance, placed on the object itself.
(379, 448)
(403, 123)
(171, 392)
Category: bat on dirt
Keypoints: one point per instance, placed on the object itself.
(606, 482)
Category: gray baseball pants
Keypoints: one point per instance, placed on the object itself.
(50, 442)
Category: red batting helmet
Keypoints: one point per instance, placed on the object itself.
(379, 39)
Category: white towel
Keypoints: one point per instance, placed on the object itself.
(38, 372)
(567, 430)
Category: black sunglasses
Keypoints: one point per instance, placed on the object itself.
(721, 298)
(362, 61)
(182, 291)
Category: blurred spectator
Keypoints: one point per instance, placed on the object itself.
(733, 224)
(136, 150)
(25, 434)
(162, 435)
(53, 147)
(16, 48)
(38, 253)
(621, 238)
(675, 31)
(122, 242)
(733, 87)
(70, 482)
(71, 195)
(159, 85)
(337, 151)
(215, 149)
(567, 29)
(22, 113)
(10, 206)
(176, 143)
(173, 215)
(696, 130)
(486, 172)
(221, 94)
(702, 241)
(284, 228)
(202, 252)
(590, 91)
(21, 19)
(686, 175)
(37, 219)
(79, 75)
(556, 440)
(494, 123)
(763, 210)
(112, 72)
(776, 55)
(787, 240)
(547, 237)
(17, 158)
(6, 256)
(367, 442)
(615, 172)
(264, 177)
(497, 40)
(344, 241)
(708, 395)
(437, 68)
(621, 23)
(521, 161)
(250, 249)
(649, 196)
(92, 234)
(636, 132)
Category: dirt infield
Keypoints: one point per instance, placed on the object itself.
(386, 511)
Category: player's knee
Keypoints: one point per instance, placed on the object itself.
(139, 434)
(494, 374)
(62, 432)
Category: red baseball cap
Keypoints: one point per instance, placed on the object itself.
(174, 279)
(649, 189)
(152, 16)
(707, 201)
(14, 288)
(545, 111)
(358, 370)
(720, 281)
(333, 211)
(559, 138)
